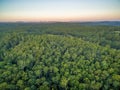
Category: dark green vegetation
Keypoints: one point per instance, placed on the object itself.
(59, 56)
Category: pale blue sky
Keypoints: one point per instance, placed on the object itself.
(59, 10)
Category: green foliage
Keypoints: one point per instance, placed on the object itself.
(70, 60)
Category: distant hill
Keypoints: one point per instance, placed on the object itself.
(109, 23)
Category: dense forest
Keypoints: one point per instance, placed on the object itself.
(59, 56)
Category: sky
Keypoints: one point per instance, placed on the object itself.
(59, 10)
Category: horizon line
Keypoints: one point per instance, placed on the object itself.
(59, 21)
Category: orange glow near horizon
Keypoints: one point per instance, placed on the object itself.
(61, 18)
(59, 10)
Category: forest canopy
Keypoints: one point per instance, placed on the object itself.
(59, 56)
